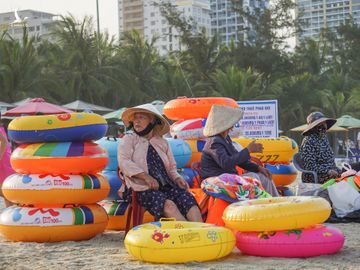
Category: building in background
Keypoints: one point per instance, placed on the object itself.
(329, 14)
(38, 23)
(148, 21)
(131, 15)
(229, 25)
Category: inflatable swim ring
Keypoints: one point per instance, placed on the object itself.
(114, 182)
(193, 129)
(117, 212)
(276, 150)
(189, 108)
(314, 241)
(179, 242)
(111, 145)
(29, 224)
(196, 147)
(274, 214)
(282, 174)
(181, 151)
(59, 158)
(50, 189)
(57, 128)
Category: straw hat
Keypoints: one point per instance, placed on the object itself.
(221, 118)
(316, 118)
(128, 116)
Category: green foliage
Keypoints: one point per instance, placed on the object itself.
(82, 64)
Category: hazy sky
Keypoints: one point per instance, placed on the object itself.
(79, 8)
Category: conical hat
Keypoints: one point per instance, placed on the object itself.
(221, 118)
(128, 116)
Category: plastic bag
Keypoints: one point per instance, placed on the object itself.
(344, 197)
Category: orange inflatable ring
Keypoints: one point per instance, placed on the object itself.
(59, 158)
(118, 212)
(189, 108)
(29, 224)
(50, 189)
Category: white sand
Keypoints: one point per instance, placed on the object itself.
(107, 251)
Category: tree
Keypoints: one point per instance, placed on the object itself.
(238, 84)
(20, 68)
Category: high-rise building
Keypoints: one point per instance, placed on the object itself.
(131, 15)
(39, 24)
(155, 25)
(318, 14)
(228, 24)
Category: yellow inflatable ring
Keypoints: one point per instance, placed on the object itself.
(30, 224)
(179, 242)
(276, 150)
(57, 128)
(55, 189)
(274, 214)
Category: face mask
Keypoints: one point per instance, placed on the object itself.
(148, 128)
(322, 129)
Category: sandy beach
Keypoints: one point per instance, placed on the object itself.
(107, 251)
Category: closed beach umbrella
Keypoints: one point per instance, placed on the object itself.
(36, 106)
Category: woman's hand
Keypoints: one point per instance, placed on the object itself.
(255, 147)
(151, 182)
(332, 173)
(265, 172)
(181, 183)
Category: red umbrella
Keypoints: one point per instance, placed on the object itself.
(35, 106)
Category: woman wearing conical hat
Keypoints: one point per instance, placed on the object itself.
(219, 155)
(149, 168)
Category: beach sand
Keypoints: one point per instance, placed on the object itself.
(107, 251)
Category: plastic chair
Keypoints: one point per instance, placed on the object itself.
(299, 165)
(135, 211)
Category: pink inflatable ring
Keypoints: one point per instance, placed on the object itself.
(314, 241)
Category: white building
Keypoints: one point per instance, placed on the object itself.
(228, 24)
(154, 25)
(38, 23)
(318, 14)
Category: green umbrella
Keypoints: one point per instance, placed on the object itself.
(348, 121)
(115, 115)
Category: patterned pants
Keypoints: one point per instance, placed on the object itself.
(154, 200)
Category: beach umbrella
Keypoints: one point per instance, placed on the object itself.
(36, 106)
(79, 105)
(115, 115)
(348, 121)
(334, 128)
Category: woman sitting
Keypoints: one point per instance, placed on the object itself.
(219, 154)
(316, 151)
(149, 168)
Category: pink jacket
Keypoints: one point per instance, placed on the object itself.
(132, 152)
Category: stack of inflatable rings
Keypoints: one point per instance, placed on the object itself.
(57, 183)
(283, 227)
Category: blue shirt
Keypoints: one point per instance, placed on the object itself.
(220, 156)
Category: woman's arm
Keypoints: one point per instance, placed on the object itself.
(125, 152)
(228, 161)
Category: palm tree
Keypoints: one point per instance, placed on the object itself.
(238, 84)
(20, 68)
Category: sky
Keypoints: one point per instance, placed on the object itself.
(79, 8)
